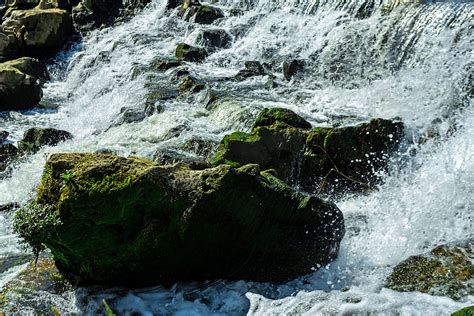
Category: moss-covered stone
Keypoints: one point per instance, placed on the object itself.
(339, 158)
(278, 147)
(18, 90)
(131, 221)
(35, 138)
(354, 154)
(270, 116)
(446, 271)
(466, 311)
(191, 53)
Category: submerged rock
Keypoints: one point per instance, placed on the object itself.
(3, 136)
(20, 295)
(447, 270)
(345, 158)
(191, 53)
(133, 222)
(252, 69)
(291, 68)
(8, 208)
(20, 87)
(35, 138)
(8, 153)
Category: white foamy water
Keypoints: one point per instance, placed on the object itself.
(415, 63)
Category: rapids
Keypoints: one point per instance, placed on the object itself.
(365, 58)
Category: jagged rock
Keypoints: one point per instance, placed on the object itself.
(447, 270)
(19, 90)
(37, 32)
(35, 138)
(162, 224)
(291, 68)
(214, 39)
(206, 14)
(191, 53)
(344, 158)
(268, 117)
(8, 153)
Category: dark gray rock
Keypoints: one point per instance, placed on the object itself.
(214, 39)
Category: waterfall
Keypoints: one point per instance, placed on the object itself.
(363, 59)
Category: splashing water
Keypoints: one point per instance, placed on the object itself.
(363, 60)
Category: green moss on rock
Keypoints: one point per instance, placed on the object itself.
(340, 158)
(130, 221)
(190, 53)
(446, 271)
(268, 117)
(466, 311)
(276, 147)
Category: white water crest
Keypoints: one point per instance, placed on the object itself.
(363, 59)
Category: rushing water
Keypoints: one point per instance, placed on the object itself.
(363, 59)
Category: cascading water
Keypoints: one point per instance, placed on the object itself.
(364, 59)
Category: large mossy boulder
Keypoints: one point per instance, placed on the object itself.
(466, 311)
(38, 32)
(129, 221)
(344, 158)
(447, 270)
(20, 84)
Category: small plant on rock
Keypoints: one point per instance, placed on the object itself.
(35, 224)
